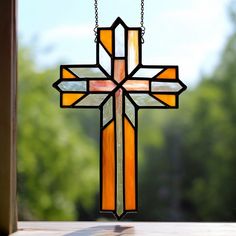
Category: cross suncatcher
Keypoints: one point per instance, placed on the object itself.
(119, 85)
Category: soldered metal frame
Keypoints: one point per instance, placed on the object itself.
(166, 74)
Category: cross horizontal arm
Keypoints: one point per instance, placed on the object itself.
(83, 86)
(133, 85)
(88, 85)
(154, 86)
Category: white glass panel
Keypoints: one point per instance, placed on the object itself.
(72, 86)
(165, 86)
(130, 110)
(147, 72)
(92, 100)
(108, 111)
(143, 99)
(104, 59)
(119, 41)
(89, 72)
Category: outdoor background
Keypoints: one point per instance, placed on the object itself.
(187, 157)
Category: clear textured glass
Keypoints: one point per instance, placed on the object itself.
(119, 150)
(104, 59)
(89, 72)
(92, 100)
(119, 41)
(144, 99)
(165, 86)
(130, 110)
(107, 111)
(147, 72)
(69, 86)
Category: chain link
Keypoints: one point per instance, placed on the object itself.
(96, 20)
(141, 22)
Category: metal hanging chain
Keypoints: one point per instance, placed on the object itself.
(96, 20)
(141, 22)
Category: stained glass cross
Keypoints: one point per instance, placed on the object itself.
(119, 85)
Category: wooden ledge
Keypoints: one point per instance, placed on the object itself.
(124, 228)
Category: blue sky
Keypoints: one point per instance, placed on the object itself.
(188, 33)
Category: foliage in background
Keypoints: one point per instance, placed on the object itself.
(57, 160)
(187, 160)
(189, 174)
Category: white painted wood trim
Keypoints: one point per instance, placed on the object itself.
(125, 228)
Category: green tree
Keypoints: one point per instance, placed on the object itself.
(214, 191)
(188, 156)
(57, 160)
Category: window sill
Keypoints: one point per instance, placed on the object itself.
(124, 228)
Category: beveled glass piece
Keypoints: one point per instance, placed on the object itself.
(107, 112)
(87, 72)
(144, 99)
(120, 41)
(130, 110)
(79, 86)
(92, 100)
(147, 72)
(165, 86)
(104, 59)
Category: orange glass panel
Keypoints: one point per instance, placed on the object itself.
(133, 49)
(101, 85)
(169, 99)
(69, 98)
(108, 167)
(130, 191)
(106, 39)
(137, 85)
(119, 70)
(170, 73)
(67, 75)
